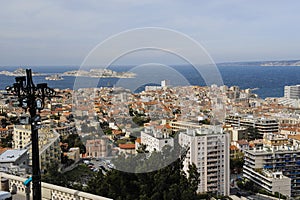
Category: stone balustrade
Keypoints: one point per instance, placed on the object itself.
(49, 191)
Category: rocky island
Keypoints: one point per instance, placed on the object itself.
(99, 73)
(55, 77)
(19, 72)
(95, 73)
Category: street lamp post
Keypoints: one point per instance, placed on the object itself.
(32, 98)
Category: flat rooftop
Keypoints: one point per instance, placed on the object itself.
(11, 155)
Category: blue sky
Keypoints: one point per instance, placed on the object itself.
(58, 32)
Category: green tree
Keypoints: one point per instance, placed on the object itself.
(97, 184)
(169, 182)
(140, 120)
(194, 177)
(74, 140)
(53, 176)
(236, 163)
(7, 141)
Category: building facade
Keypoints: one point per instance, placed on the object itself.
(50, 151)
(14, 161)
(261, 167)
(208, 149)
(262, 125)
(155, 140)
(292, 92)
(49, 148)
(97, 148)
(21, 136)
(278, 155)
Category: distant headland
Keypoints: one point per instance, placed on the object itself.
(280, 63)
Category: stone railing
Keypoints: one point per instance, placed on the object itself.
(49, 191)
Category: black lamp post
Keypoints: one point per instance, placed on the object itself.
(32, 98)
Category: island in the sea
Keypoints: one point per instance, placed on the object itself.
(20, 72)
(99, 73)
(95, 73)
(55, 77)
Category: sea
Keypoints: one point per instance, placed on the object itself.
(266, 81)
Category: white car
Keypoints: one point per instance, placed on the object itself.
(5, 195)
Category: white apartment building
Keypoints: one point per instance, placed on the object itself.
(152, 88)
(184, 125)
(289, 102)
(209, 151)
(21, 136)
(14, 161)
(263, 125)
(276, 166)
(155, 140)
(274, 171)
(292, 92)
(67, 129)
(269, 181)
(236, 133)
(165, 83)
(49, 148)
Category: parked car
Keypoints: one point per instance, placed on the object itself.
(5, 195)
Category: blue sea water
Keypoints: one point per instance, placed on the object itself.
(270, 81)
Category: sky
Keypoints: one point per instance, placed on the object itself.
(61, 32)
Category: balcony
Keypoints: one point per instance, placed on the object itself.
(268, 166)
(212, 179)
(212, 164)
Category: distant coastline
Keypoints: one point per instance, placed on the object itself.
(280, 63)
(111, 72)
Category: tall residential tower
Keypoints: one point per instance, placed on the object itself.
(208, 149)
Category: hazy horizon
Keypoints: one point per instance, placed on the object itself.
(128, 65)
(62, 33)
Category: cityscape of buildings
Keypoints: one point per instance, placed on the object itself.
(109, 122)
(150, 100)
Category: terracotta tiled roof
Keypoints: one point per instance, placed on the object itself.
(233, 147)
(242, 142)
(295, 129)
(138, 140)
(160, 127)
(59, 109)
(168, 126)
(127, 146)
(296, 137)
